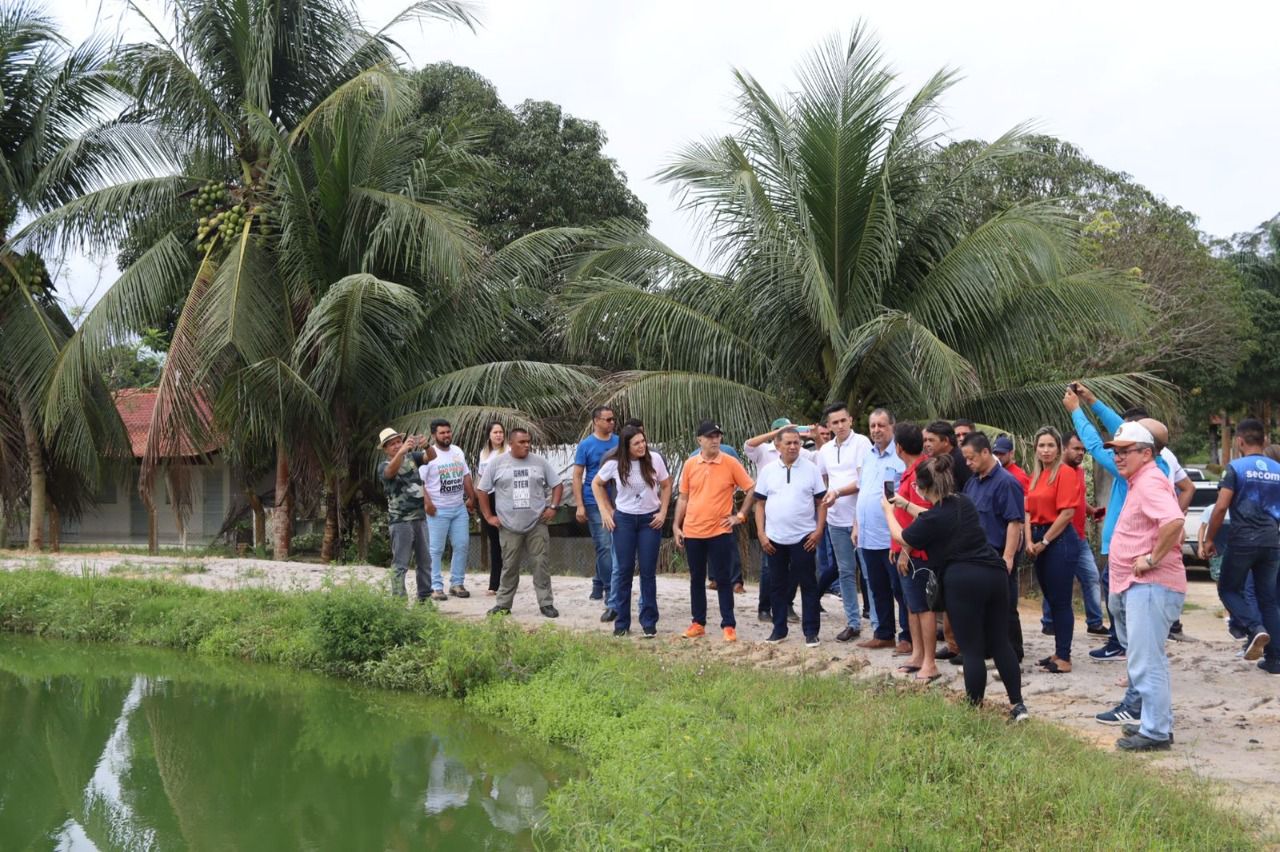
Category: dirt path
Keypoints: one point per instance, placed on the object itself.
(1227, 711)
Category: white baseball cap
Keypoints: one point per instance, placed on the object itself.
(1129, 434)
(387, 434)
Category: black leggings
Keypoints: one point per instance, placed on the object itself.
(978, 603)
(495, 552)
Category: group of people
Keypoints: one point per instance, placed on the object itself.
(925, 520)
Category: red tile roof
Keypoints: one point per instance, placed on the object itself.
(136, 407)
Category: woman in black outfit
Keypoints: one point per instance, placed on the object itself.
(495, 445)
(974, 578)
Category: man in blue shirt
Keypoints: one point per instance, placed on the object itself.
(1250, 488)
(871, 534)
(586, 462)
(1001, 504)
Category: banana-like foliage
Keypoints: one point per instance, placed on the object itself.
(848, 271)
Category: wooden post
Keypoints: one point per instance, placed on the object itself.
(1226, 441)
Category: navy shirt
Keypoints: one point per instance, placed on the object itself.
(1255, 503)
(951, 532)
(1000, 501)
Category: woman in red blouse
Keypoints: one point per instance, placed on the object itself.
(1053, 543)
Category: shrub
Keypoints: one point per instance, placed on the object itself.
(356, 624)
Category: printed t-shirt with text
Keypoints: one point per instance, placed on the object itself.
(521, 488)
(443, 477)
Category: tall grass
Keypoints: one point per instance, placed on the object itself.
(680, 756)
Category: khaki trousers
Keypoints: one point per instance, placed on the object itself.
(517, 548)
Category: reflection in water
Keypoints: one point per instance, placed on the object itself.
(107, 749)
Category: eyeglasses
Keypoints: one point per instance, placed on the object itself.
(1121, 452)
(607, 419)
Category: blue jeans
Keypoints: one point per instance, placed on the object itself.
(1055, 570)
(1263, 564)
(605, 562)
(714, 555)
(847, 560)
(828, 570)
(885, 585)
(452, 525)
(1090, 589)
(634, 540)
(1143, 614)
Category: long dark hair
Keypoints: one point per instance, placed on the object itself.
(647, 471)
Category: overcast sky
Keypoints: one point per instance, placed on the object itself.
(1179, 99)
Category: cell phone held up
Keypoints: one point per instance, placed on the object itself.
(1075, 388)
(889, 490)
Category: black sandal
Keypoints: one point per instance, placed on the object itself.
(1052, 667)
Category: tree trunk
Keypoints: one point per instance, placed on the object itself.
(153, 529)
(330, 541)
(178, 519)
(283, 516)
(1226, 441)
(55, 529)
(259, 518)
(366, 533)
(39, 494)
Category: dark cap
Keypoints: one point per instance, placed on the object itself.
(1003, 444)
(709, 427)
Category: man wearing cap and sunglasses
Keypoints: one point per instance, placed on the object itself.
(406, 509)
(1147, 583)
(704, 525)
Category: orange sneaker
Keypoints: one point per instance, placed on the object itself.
(695, 631)
(730, 634)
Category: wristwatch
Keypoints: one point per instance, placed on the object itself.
(555, 507)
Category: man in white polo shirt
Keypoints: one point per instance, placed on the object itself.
(839, 461)
(762, 451)
(790, 518)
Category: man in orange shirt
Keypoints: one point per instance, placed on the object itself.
(704, 526)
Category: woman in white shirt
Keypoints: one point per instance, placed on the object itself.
(635, 517)
(495, 445)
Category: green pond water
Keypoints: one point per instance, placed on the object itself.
(110, 748)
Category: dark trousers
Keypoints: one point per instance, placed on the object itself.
(490, 534)
(792, 566)
(886, 588)
(634, 541)
(1015, 621)
(1056, 573)
(1263, 564)
(766, 586)
(978, 604)
(714, 554)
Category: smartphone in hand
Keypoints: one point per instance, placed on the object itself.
(888, 490)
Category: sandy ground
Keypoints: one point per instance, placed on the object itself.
(1227, 724)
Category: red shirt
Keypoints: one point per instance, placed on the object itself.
(1020, 475)
(1046, 499)
(907, 488)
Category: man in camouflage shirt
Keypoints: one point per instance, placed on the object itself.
(406, 512)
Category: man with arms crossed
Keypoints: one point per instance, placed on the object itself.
(839, 461)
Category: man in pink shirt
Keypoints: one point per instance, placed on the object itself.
(1147, 586)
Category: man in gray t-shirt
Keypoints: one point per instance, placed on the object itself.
(526, 492)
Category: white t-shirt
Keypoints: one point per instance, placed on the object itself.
(635, 496)
(788, 493)
(1176, 471)
(487, 455)
(840, 464)
(443, 477)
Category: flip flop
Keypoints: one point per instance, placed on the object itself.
(908, 669)
(929, 679)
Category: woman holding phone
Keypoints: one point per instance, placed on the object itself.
(975, 588)
(1053, 543)
(495, 444)
(636, 520)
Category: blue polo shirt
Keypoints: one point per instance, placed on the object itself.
(1000, 501)
(877, 469)
(1255, 501)
(590, 454)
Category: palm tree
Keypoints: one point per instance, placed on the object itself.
(231, 87)
(51, 95)
(846, 269)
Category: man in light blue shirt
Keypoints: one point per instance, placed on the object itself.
(871, 535)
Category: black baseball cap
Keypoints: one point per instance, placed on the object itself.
(709, 427)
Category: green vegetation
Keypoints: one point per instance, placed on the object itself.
(682, 753)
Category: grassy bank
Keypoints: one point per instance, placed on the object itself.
(680, 755)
